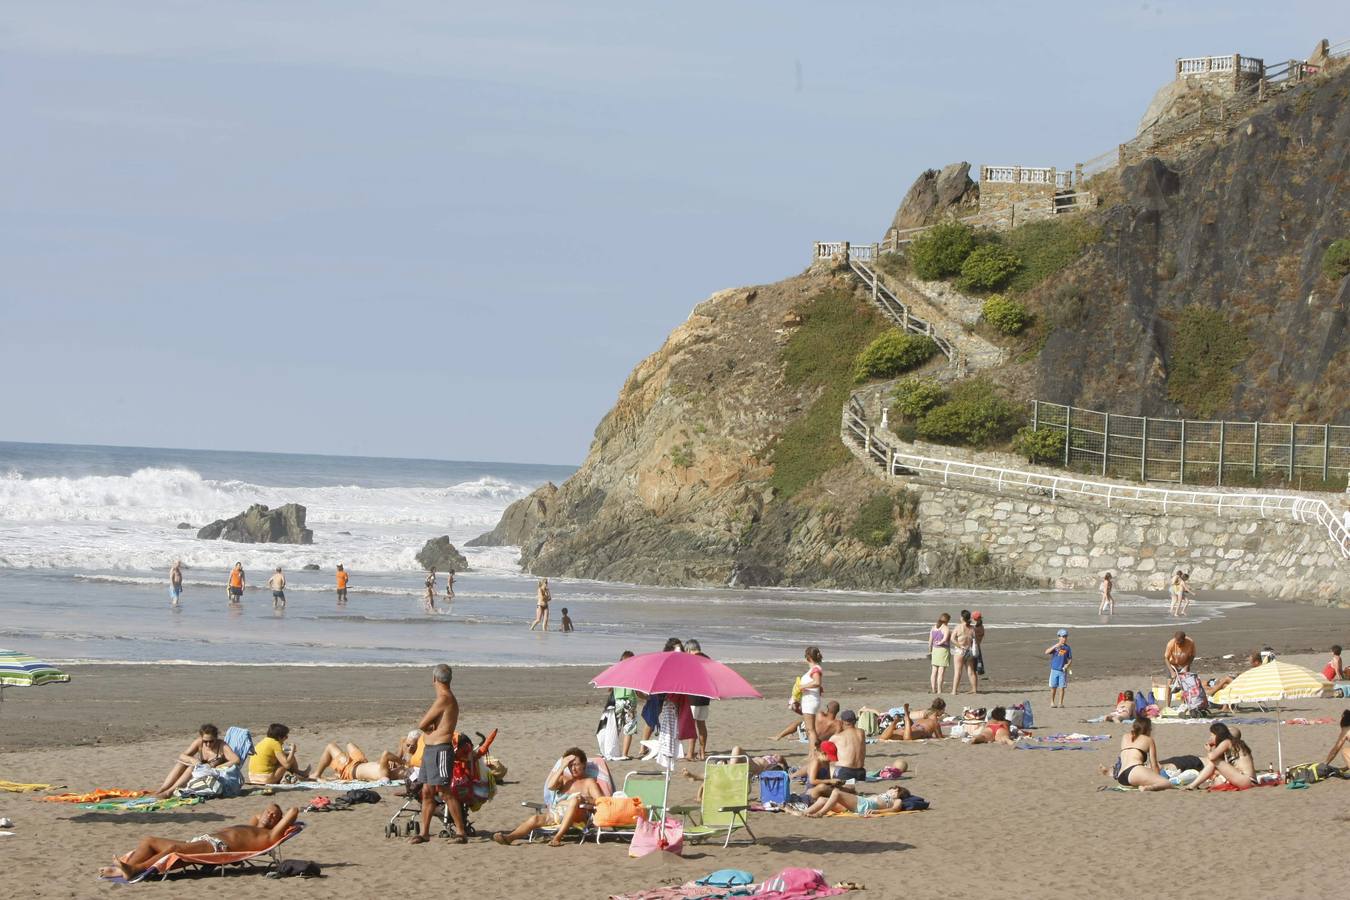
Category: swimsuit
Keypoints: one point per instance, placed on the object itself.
(1124, 776)
(437, 760)
(217, 845)
(850, 773)
(347, 768)
(866, 806)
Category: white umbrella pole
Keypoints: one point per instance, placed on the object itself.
(1279, 744)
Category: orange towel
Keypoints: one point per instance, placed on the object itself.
(876, 815)
(92, 796)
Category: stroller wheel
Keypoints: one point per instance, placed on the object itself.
(445, 832)
(390, 830)
(469, 830)
(412, 828)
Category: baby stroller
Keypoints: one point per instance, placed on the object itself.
(471, 781)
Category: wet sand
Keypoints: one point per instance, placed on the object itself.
(995, 810)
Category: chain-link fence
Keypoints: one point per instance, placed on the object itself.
(1240, 454)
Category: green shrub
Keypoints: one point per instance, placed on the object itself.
(682, 456)
(891, 353)
(1336, 260)
(988, 267)
(820, 353)
(1039, 444)
(975, 415)
(1047, 247)
(1005, 315)
(1068, 306)
(940, 251)
(1205, 351)
(875, 524)
(915, 396)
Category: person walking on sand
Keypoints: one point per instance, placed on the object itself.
(235, 588)
(1061, 659)
(1108, 606)
(1176, 586)
(963, 654)
(438, 754)
(939, 646)
(429, 596)
(277, 583)
(341, 585)
(543, 598)
(176, 583)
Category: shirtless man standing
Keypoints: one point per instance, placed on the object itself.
(176, 582)
(261, 832)
(277, 583)
(851, 744)
(438, 754)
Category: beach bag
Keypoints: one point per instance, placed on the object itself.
(773, 787)
(648, 837)
(1015, 717)
(231, 780)
(1310, 773)
(618, 812)
(795, 701)
(726, 878)
(205, 785)
(496, 767)
(1027, 720)
(912, 802)
(607, 735)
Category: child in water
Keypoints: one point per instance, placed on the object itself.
(566, 620)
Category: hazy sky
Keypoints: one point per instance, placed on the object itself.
(438, 229)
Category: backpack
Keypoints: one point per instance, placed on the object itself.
(205, 785)
(1311, 773)
(1193, 696)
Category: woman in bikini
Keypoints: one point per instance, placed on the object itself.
(928, 724)
(939, 643)
(1138, 762)
(207, 750)
(855, 803)
(1175, 610)
(996, 730)
(963, 654)
(544, 596)
(1229, 756)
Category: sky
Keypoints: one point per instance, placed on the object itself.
(449, 230)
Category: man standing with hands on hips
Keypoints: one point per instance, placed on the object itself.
(1061, 658)
(438, 754)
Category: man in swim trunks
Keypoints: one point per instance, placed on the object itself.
(236, 585)
(278, 585)
(438, 754)
(341, 585)
(851, 744)
(176, 582)
(262, 831)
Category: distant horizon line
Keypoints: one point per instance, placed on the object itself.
(485, 462)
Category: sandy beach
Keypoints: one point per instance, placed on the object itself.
(1033, 816)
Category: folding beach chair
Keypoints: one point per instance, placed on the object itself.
(597, 769)
(170, 862)
(726, 800)
(650, 788)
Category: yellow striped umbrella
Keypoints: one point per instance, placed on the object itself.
(1274, 681)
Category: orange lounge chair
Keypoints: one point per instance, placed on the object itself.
(171, 861)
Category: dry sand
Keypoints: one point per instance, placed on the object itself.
(1027, 819)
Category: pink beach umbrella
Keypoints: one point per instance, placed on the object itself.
(676, 673)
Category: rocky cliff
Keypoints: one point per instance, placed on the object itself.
(684, 482)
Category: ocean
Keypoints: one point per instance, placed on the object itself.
(87, 536)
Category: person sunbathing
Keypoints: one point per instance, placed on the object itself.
(826, 723)
(262, 831)
(575, 795)
(353, 765)
(861, 804)
(1124, 710)
(1229, 757)
(1214, 685)
(995, 731)
(1341, 746)
(207, 750)
(927, 724)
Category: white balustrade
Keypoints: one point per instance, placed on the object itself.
(1004, 174)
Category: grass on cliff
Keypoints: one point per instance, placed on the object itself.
(837, 327)
(1047, 247)
(875, 524)
(1206, 349)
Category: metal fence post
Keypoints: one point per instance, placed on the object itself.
(1068, 430)
(1221, 430)
(1256, 451)
(1181, 479)
(1143, 453)
(1291, 454)
(1106, 442)
(1326, 449)
(1035, 414)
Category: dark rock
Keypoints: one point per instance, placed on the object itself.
(1150, 184)
(938, 194)
(348, 533)
(260, 525)
(519, 519)
(311, 567)
(184, 525)
(441, 555)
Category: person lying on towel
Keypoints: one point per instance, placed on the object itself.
(261, 832)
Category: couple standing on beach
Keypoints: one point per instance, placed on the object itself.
(960, 648)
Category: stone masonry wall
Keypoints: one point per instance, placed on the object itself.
(1069, 544)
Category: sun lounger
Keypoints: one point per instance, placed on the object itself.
(597, 769)
(171, 861)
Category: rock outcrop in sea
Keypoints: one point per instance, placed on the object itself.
(260, 525)
(441, 555)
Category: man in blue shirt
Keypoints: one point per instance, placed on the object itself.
(1061, 658)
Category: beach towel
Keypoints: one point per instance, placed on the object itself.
(142, 804)
(1229, 720)
(17, 787)
(795, 883)
(1051, 747)
(327, 785)
(1325, 721)
(241, 742)
(1213, 788)
(93, 796)
(849, 814)
(1072, 738)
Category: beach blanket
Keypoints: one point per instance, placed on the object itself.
(1051, 747)
(849, 814)
(326, 785)
(1324, 721)
(1071, 738)
(1232, 787)
(142, 804)
(97, 796)
(1227, 720)
(18, 787)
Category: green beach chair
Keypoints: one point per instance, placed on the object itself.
(650, 788)
(726, 801)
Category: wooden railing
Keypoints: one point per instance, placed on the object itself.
(876, 449)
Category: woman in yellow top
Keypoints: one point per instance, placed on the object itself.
(272, 760)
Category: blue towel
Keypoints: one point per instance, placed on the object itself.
(241, 742)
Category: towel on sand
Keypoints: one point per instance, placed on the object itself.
(18, 787)
(142, 804)
(97, 796)
(325, 785)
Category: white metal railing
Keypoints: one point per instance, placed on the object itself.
(1336, 51)
(1163, 501)
(897, 311)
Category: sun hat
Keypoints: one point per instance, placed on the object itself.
(1063, 632)
(976, 614)
(830, 750)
